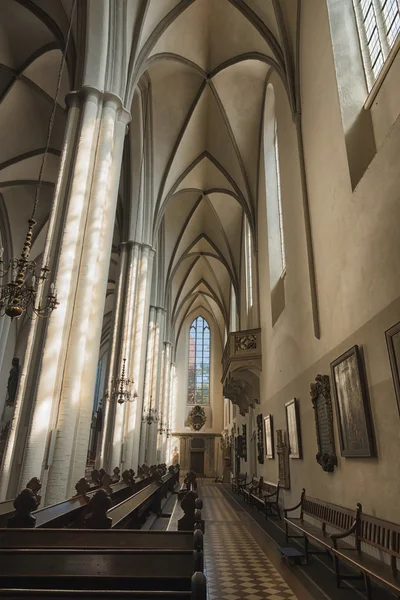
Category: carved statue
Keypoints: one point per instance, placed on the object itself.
(96, 477)
(98, 506)
(82, 487)
(24, 504)
(116, 475)
(106, 482)
(175, 456)
(12, 384)
(35, 485)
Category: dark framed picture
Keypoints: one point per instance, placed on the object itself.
(393, 345)
(293, 427)
(269, 436)
(352, 407)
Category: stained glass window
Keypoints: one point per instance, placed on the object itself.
(199, 362)
(378, 24)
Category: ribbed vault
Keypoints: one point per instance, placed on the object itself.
(207, 64)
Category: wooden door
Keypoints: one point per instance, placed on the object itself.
(197, 462)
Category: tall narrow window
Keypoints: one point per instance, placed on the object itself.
(278, 187)
(378, 23)
(199, 362)
(249, 266)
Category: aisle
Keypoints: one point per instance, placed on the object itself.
(236, 566)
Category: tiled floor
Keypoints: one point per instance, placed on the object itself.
(236, 566)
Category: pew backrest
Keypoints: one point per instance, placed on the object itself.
(333, 515)
(95, 538)
(380, 534)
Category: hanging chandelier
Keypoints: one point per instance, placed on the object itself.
(151, 415)
(23, 283)
(121, 388)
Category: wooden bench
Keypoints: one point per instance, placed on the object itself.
(132, 512)
(97, 569)
(370, 532)
(71, 512)
(6, 510)
(338, 517)
(266, 497)
(238, 482)
(250, 487)
(98, 538)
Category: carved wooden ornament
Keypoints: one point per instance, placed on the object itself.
(320, 393)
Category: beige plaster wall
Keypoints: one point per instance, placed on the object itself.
(356, 247)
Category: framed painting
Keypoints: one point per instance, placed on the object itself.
(352, 407)
(393, 345)
(293, 427)
(269, 436)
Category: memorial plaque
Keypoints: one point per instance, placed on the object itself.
(322, 403)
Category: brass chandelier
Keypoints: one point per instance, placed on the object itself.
(121, 388)
(20, 292)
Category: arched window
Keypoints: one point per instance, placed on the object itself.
(199, 362)
(273, 196)
(249, 265)
(378, 23)
(279, 197)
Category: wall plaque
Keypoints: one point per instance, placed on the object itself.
(282, 450)
(321, 398)
(260, 439)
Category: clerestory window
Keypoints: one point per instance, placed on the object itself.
(199, 362)
(249, 266)
(378, 23)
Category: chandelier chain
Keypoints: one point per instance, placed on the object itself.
(53, 113)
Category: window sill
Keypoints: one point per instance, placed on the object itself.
(382, 75)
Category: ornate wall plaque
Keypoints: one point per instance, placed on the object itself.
(244, 442)
(197, 418)
(322, 404)
(282, 450)
(260, 440)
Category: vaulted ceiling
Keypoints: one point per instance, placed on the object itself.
(30, 42)
(208, 62)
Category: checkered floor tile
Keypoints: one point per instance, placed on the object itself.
(236, 566)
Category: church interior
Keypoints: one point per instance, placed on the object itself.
(200, 299)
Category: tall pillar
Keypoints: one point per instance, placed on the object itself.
(58, 437)
(151, 396)
(123, 420)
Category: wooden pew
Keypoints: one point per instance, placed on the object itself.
(266, 497)
(370, 532)
(325, 513)
(6, 510)
(70, 512)
(115, 569)
(96, 538)
(131, 513)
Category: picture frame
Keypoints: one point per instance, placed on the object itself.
(269, 436)
(352, 406)
(293, 428)
(393, 345)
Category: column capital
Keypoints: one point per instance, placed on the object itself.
(88, 93)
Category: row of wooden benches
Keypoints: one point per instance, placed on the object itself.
(257, 492)
(70, 563)
(66, 562)
(365, 543)
(129, 503)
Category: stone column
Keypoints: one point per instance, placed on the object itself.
(58, 437)
(126, 430)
